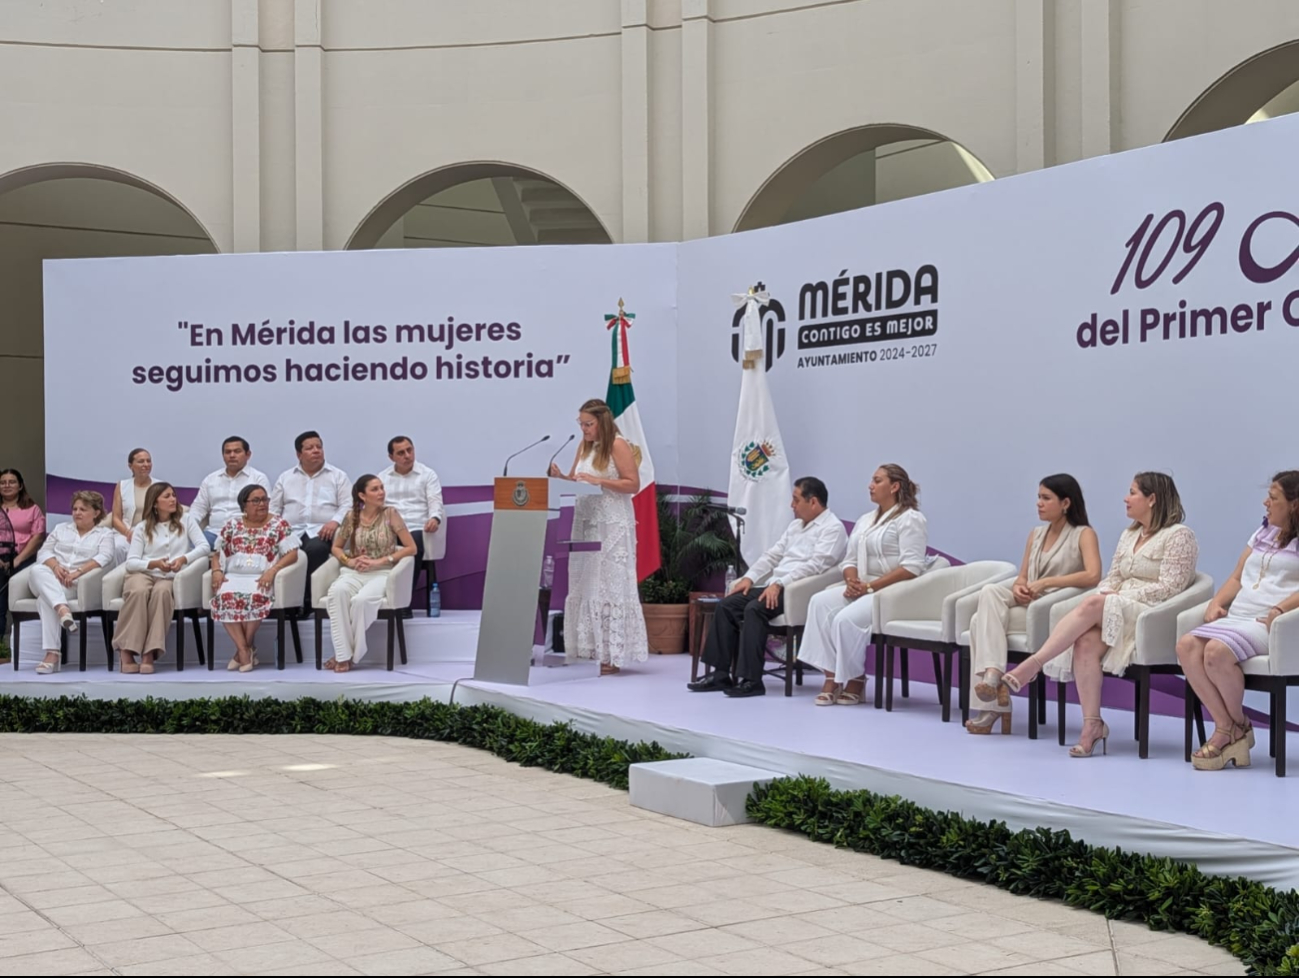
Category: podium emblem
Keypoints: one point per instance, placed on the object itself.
(520, 496)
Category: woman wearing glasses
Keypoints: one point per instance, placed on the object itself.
(250, 550)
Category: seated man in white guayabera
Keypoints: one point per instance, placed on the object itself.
(218, 494)
(415, 492)
(811, 545)
(888, 546)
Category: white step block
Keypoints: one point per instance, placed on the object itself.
(697, 789)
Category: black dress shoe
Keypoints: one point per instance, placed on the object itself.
(747, 687)
(714, 682)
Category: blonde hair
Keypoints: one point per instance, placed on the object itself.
(92, 499)
(606, 432)
(1167, 510)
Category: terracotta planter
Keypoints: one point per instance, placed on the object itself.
(666, 627)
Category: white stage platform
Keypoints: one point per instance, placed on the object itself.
(1229, 822)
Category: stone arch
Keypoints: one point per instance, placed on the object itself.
(834, 171)
(1260, 87)
(535, 208)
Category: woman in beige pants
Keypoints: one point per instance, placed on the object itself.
(1064, 552)
(161, 545)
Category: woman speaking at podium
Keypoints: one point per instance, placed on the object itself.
(602, 615)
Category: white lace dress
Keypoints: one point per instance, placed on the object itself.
(602, 614)
(1138, 579)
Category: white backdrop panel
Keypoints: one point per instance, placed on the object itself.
(1002, 393)
(109, 322)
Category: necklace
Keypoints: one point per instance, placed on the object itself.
(1264, 565)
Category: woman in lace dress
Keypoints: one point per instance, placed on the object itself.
(1154, 561)
(1264, 586)
(602, 615)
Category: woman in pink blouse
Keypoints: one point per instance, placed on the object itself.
(28, 524)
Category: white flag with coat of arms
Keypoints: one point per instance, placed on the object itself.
(759, 467)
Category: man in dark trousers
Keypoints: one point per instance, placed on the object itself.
(814, 543)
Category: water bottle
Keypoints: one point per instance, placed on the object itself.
(434, 601)
(730, 578)
(548, 572)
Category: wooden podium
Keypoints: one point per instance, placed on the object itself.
(521, 507)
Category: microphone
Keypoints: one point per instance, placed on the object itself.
(733, 510)
(521, 451)
(556, 455)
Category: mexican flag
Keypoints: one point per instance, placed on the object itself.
(622, 402)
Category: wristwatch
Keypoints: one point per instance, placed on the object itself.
(870, 589)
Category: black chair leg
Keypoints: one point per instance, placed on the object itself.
(81, 645)
(13, 649)
(196, 622)
(1188, 714)
(1059, 710)
(180, 642)
(319, 662)
(211, 642)
(105, 626)
(1041, 699)
(1035, 696)
(904, 662)
(1279, 727)
(279, 641)
(297, 639)
(63, 647)
(1143, 715)
(963, 680)
(947, 687)
(1199, 719)
(888, 677)
(391, 637)
(879, 675)
(401, 639)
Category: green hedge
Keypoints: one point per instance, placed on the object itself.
(1256, 923)
(555, 747)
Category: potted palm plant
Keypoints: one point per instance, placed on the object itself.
(696, 544)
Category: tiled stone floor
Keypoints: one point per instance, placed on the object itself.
(149, 855)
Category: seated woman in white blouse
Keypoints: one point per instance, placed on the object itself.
(1264, 585)
(71, 551)
(162, 544)
(1154, 561)
(887, 546)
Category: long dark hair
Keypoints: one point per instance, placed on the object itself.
(1066, 489)
(907, 491)
(151, 520)
(1167, 510)
(1288, 483)
(25, 501)
(353, 520)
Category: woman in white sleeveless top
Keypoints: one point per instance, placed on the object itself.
(1062, 553)
(602, 614)
(1154, 561)
(128, 499)
(887, 546)
(1264, 585)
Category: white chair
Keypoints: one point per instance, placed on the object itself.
(791, 622)
(88, 602)
(186, 589)
(920, 615)
(286, 598)
(1156, 652)
(435, 548)
(395, 601)
(1020, 645)
(1272, 674)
